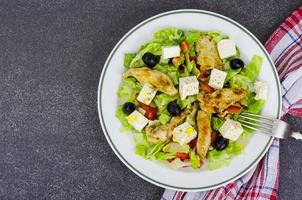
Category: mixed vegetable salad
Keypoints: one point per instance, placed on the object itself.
(182, 94)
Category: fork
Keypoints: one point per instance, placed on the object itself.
(270, 126)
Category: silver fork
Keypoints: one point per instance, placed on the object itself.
(270, 126)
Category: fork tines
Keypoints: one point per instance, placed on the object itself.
(256, 122)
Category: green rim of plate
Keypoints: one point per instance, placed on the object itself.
(99, 102)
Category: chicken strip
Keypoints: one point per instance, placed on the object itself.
(207, 54)
(203, 121)
(220, 100)
(157, 79)
(162, 133)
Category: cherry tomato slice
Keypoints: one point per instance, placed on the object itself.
(182, 156)
(193, 58)
(193, 143)
(214, 137)
(151, 112)
(205, 87)
(184, 46)
(234, 109)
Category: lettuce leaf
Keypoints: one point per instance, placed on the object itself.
(194, 159)
(161, 101)
(216, 123)
(169, 34)
(187, 102)
(174, 147)
(171, 71)
(128, 89)
(192, 37)
(239, 82)
(216, 36)
(255, 106)
(144, 148)
(252, 69)
(128, 57)
(123, 119)
(192, 116)
(231, 73)
(164, 117)
(218, 159)
(164, 156)
(152, 47)
(190, 66)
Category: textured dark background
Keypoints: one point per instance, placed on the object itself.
(51, 55)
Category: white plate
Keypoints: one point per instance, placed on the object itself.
(122, 143)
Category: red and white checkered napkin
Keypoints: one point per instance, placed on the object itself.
(285, 48)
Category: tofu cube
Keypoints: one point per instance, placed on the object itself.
(226, 48)
(171, 51)
(137, 120)
(188, 86)
(146, 94)
(261, 89)
(184, 133)
(231, 129)
(217, 78)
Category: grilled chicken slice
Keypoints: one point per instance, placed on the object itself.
(162, 133)
(203, 121)
(157, 79)
(207, 54)
(220, 100)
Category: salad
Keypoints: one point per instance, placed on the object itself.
(181, 96)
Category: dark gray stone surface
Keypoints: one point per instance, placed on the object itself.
(51, 55)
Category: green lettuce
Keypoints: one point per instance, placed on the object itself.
(169, 34)
(218, 159)
(161, 101)
(255, 106)
(192, 116)
(187, 102)
(123, 119)
(231, 73)
(152, 47)
(144, 148)
(164, 117)
(128, 89)
(216, 36)
(190, 66)
(164, 156)
(128, 57)
(216, 123)
(171, 71)
(252, 69)
(239, 82)
(192, 37)
(194, 159)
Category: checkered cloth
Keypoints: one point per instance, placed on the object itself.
(285, 48)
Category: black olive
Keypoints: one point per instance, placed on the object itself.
(221, 143)
(128, 108)
(173, 108)
(150, 60)
(236, 63)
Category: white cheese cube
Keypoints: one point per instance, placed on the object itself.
(217, 78)
(231, 129)
(146, 94)
(171, 51)
(226, 48)
(137, 120)
(261, 89)
(188, 86)
(184, 133)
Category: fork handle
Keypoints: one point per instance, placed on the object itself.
(297, 135)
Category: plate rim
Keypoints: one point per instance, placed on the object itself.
(99, 103)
